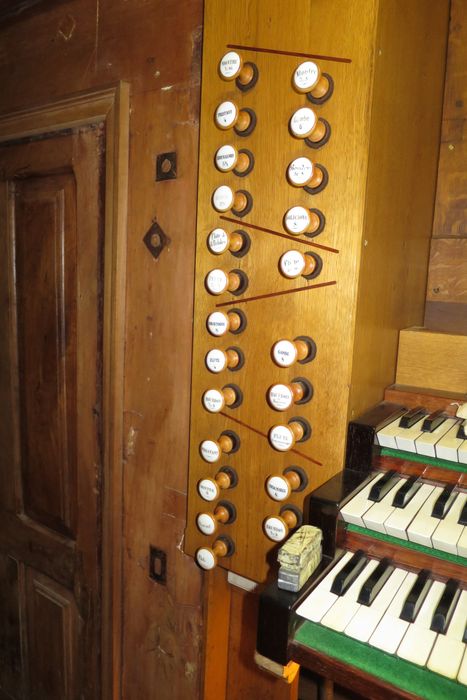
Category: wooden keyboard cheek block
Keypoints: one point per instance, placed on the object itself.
(341, 308)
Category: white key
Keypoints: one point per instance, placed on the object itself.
(379, 512)
(419, 639)
(345, 607)
(448, 531)
(364, 622)
(386, 437)
(423, 525)
(405, 440)
(448, 650)
(462, 452)
(320, 599)
(447, 447)
(391, 628)
(354, 509)
(462, 675)
(398, 522)
(425, 444)
(462, 544)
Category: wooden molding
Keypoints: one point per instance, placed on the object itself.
(110, 106)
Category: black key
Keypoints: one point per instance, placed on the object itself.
(462, 431)
(411, 417)
(464, 638)
(406, 492)
(446, 606)
(347, 575)
(382, 486)
(463, 516)
(417, 595)
(444, 502)
(375, 582)
(433, 421)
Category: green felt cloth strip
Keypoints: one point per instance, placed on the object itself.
(413, 457)
(391, 669)
(454, 558)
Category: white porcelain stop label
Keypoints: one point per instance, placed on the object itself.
(218, 323)
(292, 264)
(281, 438)
(225, 158)
(284, 353)
(208, 489)
(217, 281)
(278, 488)
(300, 171)
(297, 220)
(210, 451)
(280, 397)
(306, 76)
(206, 558)
(275, 529)
(218, 241)
(216, 360)
(222, 198)
(213, 400)
(230, 65)
(302, 122)
(226, 115)
(206, 524)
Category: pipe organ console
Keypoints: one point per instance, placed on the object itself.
(318, 158)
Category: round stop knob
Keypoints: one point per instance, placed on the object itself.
(218, 360)
(304, 124)
(280, 486)
(207, 557)
(228, 116)
(286, 352)
(232, 67)
(218, 323)
(225, 199)
(302, 172)
(227, 158)
(209, 489)
(299, 220)
(283, 437)
(219, 241)
(308, 78)
(212, 450)
(277, 527)
(214, 400)
(283, 396)
(219, 281)
(223, 513)
(294, 264)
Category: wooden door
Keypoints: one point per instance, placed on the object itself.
(50, 415)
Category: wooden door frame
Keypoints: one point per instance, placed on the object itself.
(111, 107)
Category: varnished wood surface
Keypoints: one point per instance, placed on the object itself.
(446, 307)
(51, 382)
(79, 46)
(430, 359)
(362, 224)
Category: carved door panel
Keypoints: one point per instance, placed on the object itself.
(50, 416)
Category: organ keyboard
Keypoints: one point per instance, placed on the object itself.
(393, 577)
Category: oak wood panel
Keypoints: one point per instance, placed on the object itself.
(165, 632)
(45, 225)
(54, 255)
(429, 359)
(53, 670)
(357, 209)
(447, 277)
(10, 627)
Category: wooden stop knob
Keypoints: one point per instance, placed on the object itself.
(207, 557)
(280, 486)
(207, 523)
